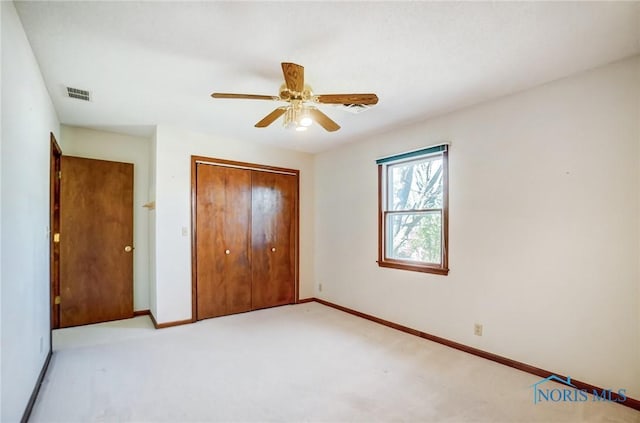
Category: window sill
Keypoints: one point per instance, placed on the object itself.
(413, 267)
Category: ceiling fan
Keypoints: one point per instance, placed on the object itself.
(300, 113)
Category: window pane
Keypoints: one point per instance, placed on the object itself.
(415, 185)
(415, 236)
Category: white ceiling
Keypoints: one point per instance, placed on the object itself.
(149, 63)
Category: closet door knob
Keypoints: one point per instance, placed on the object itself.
(227, 252)
(273, 249)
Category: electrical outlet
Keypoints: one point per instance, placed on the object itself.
(477, 329)
(41, 344)
(320, 287)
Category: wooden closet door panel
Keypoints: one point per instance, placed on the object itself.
(273, 238)
(223, 251)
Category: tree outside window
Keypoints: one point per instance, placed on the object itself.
(413, 211)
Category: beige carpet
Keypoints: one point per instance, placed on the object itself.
(303, 363)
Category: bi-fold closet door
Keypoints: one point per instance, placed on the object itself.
(246, 237)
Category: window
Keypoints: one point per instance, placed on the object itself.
(413, 211)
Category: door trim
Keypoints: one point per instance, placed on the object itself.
(247, 166)
(195, 161)
(54, 227)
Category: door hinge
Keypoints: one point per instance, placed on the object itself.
(56, 300)
(59, 174)
(56, 237)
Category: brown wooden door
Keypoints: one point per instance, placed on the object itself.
(96, 240)
(273, 238)
(223, 253)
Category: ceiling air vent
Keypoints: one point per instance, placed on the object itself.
(79, 94)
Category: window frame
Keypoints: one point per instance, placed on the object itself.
(383, 212)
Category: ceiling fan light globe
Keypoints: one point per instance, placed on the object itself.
(306, 121)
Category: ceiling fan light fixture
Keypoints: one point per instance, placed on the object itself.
(306, 121)
(297, 117)
(291, 118)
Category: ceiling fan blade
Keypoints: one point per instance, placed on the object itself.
(245, 96)
(324, 120)
(293, 76)
(346, 98)
(271, 117)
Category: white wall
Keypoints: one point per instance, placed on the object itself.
(153, 304)
(544, 228)
(92, 144)
(173, 190)
(27, 118)
(1, 134)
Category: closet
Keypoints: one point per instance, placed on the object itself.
(245, 236)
